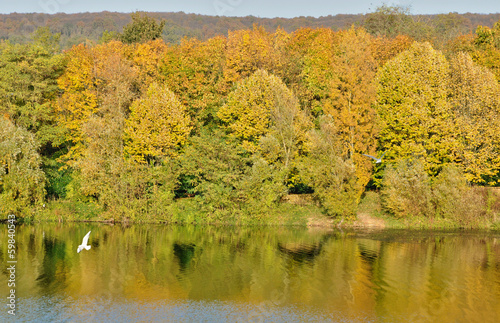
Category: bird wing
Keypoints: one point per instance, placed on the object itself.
(383, 155)
(370, 156)
(86, 239)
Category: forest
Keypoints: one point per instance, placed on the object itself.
(80, 27)
(223, 129)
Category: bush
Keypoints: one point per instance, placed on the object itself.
(448, 191)
(454, 199)
(332, 176)
(408, 192)
(406, 189)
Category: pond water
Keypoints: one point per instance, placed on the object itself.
(250, 274)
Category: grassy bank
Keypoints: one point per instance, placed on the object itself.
(185, 211)
(371, 209)
(298, 210)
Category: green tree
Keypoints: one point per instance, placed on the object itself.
(449, 192)
(28, 86)
(142, 29)
(326, 169)
(22, 182)
(229, 184)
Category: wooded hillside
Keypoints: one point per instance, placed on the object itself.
(76, 28)
(226, 127)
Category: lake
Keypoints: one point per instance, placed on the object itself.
(250, 274)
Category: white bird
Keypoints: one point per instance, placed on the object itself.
(84, 243)
(377, 160)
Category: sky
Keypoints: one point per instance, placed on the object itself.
(258, 8)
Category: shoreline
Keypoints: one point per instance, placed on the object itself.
(295, 210)
(362, 222)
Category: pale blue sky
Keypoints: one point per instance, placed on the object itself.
(259, 8)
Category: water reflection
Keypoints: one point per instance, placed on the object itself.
(186, 274)
(184, 253)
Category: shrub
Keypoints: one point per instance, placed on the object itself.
(406, 189)
(332, 176)
(449, 190)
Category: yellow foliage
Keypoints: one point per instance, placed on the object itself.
(475, 96)
(79, 100)
(250, 50)
(351, 97)
(157, 126)
(414, 108)
(193, 71)
(262, 105)
(97, 82)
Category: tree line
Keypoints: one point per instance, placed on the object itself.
(138, 128)
(80, 27)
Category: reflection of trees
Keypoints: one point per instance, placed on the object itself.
(184, 253)
(54, 268)
(433, 276)
(299, 252)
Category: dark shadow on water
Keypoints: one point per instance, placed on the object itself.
(54, 269)
(184, 253)
(300, 253)
(367, 255)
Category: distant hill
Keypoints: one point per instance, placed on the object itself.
(77, 28)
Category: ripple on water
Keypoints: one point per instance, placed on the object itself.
(86, 309)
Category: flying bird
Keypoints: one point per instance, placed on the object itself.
(377, 160)
(84, 243)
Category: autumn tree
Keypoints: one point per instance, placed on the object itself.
(252, 49)
(157, 126)
(147, 58)
(142, 29)
(247, 51)
(385, 48)
(102, 161)
(99, 85)
(318, 70)
(475, 97)
(193, 70)
(79, 99)
(261, 105)
(487, 48)
(413, 106)
(351, 97)
(22, 181)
